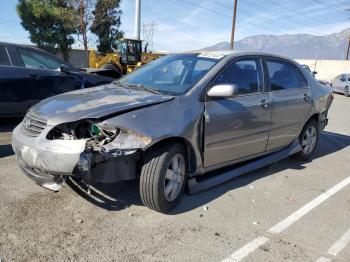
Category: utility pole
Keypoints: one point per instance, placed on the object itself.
(137, 19)
(233, 24)
(347, 53)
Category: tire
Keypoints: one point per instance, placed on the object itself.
(115, 70)
(312, 127)
(155, 177)
(346, 91)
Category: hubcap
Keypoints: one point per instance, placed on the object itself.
(309, 140)
(174, 177)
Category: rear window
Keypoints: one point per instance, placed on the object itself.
(4, 58)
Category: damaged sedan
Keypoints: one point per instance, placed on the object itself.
(173, 121)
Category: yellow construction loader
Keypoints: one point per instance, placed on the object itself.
(128, 57)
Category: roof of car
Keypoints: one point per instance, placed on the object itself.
(224, 53)
(20, 45)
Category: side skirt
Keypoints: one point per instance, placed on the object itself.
(196, 185)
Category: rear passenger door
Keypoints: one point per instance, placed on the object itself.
(291, 101)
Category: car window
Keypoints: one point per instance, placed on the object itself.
(283, 75)
(173, 74)
(36, 60)
(302, 80)
(246, 74)
(4, 58)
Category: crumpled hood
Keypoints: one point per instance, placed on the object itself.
(94, 102)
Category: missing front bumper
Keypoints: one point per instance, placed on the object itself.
(45, 180)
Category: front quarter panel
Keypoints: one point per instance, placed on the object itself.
(179, 118)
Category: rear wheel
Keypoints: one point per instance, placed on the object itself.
(163, 177)
(308, 140)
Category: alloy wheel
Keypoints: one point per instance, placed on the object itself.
(309, 140)
(174, 177)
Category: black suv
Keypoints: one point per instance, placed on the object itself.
(28, 75)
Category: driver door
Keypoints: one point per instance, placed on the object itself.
(238, 127)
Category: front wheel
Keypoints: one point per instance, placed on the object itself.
(308, 139)
(347, 91)
(163, 177)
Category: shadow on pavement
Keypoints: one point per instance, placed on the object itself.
(6, 150)
(8, 124)
(329, 143)
(112, 197)
(6, 127)
(121, 195)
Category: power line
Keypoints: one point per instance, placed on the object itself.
(226, 16)
(293, 11)
(328, 6)
(297, 19)
(249, 14)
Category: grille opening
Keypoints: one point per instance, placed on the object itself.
(33, 126)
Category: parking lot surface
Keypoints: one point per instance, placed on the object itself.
(288, 211)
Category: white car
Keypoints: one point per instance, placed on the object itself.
(341, 84)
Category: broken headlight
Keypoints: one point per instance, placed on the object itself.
(99, 134)
(85, 129)
(128, 139)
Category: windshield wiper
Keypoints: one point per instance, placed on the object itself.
(140, 86)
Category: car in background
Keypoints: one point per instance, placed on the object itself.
(341, 84)
(29, 75)
(174, 120)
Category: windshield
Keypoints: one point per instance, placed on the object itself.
(173, 74)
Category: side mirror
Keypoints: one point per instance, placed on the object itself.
(314, 72)
(223, 90)
(64, 69)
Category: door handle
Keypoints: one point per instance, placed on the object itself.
(264, 104)
(306, 97)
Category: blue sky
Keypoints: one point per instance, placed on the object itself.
(193, 24)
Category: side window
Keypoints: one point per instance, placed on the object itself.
(4, 58)
(283, 75)
(36, 60)
(302, 81)
(246, 74)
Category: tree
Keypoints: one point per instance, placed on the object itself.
(106, 23)
(84, 19)
(50, 24)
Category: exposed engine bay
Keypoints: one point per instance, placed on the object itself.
(110, 153)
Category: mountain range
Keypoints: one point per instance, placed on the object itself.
(297, 46)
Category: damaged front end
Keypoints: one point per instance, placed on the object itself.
(92, 151)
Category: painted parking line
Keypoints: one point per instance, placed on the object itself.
(337, 247)
(287, 222)
(246, 250)
(278, 228)
(323, 259)
(340, 244)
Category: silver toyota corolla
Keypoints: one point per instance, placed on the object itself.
(174, 120)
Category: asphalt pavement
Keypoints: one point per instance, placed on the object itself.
(288, 211)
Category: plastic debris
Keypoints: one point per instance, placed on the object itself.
(205, 208)
(79, 221)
